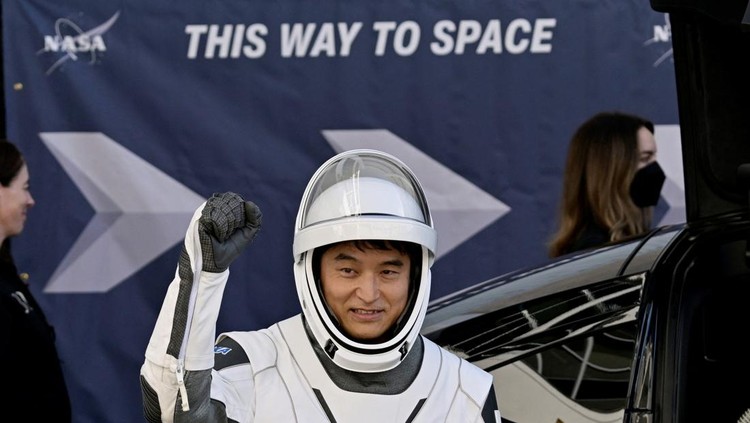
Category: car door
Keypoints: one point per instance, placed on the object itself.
(689, 364)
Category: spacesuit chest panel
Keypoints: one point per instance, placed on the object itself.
(434, 395)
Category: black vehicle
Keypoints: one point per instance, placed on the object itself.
(652, 329)
(643, 331)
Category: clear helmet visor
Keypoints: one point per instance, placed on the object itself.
(355, 195)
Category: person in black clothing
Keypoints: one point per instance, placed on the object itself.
(610, 185)
(34, 387)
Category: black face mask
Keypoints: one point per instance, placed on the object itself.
(646, 185)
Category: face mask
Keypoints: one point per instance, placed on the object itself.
(646, 185)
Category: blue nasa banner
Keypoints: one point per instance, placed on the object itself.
(131, 114)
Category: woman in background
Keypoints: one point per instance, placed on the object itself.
(610, 185)
(33, 385)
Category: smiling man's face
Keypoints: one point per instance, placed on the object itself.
(366, 289)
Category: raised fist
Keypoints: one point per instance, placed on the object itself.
(227, 225)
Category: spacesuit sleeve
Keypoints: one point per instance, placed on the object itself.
(176, 373)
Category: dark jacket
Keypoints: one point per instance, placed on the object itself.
(33, 385)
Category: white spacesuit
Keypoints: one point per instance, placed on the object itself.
(308, 368)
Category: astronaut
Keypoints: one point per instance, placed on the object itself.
(364, 243)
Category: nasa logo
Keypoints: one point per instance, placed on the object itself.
(70, 40)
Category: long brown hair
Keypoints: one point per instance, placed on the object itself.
(602, 160)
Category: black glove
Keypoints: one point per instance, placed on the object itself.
(227, 225)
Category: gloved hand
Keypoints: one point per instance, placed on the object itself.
(227, 225)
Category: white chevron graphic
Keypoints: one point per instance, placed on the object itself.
(140, 212)
(459, 208)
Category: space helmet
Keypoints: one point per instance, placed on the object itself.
(363, 195)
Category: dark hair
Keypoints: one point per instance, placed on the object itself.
(11, 162)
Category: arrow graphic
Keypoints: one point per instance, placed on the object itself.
(140, 212)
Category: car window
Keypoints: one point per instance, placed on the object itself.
(563, 357)
(593, 371)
